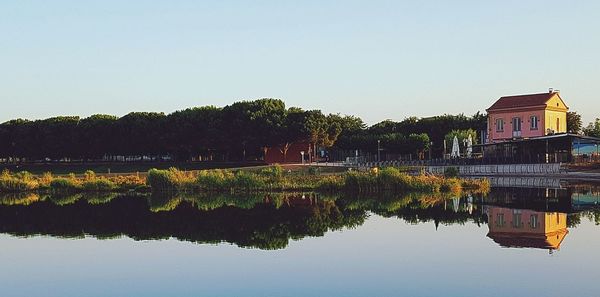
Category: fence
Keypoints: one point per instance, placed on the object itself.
(478, 170)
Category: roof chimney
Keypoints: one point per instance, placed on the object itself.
(550, 90)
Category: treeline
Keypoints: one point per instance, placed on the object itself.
(244, 130)
(412, 135)
(240, 131)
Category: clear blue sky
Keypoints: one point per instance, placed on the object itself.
(375, 59)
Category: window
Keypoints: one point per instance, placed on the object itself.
(557, 125)
(500, 220)
(499, 125)
(534, 122)
(517, 221)
(533, 221)
(516, 124)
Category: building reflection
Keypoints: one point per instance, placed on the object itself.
(525, 228)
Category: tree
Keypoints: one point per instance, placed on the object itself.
(462, 135)
(593, 129)
(95, 136)
(574, 123)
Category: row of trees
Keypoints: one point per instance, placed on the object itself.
(240, 131)
(412, 135)
(244, 130)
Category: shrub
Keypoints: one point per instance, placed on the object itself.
(128, 182)
(98, 185)
(45, 180)
(89, 175)
(20, 182)
(451, 172)
(275, 171)
(161, 180)
(214, 179)
(170, 180)
(247, 181)
(64, 184)
(314, 170)
(330, 183)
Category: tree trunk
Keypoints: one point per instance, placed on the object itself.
(284, 151)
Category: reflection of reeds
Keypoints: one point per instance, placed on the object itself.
(63, 199)
(163, 202)
(99, 198)
(19, 198)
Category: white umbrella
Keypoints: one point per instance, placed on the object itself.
(469, 146)
(455, 148)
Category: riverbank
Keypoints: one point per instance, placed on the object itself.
(267, 179)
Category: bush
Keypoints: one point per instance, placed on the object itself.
(330, 183)
(170, 180)
(20, 182)
(161, 180)
(128, 182)
(214, 179)
(275, 171)
(99, 185)
(314, 170)
(451, 172)
(247, 181)
(64, 184)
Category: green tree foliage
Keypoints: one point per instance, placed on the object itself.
(244, 130)
(396, 137)
(574, 123)
(593, 129)
(462, 135)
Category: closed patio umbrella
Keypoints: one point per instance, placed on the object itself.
(455, 148)
(469, 146)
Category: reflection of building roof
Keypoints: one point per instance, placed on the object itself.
(529, 240)
(520, 101)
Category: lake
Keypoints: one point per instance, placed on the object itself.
(515, 241)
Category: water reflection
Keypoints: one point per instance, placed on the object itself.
(524, 228)
(516, 217)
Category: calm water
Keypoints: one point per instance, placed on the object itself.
(512, 242)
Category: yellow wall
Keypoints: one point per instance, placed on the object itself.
(554, 221)
(550, 121)
(556, 109)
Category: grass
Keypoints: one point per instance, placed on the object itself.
(277, 180)
(268, 179)
(26, 182)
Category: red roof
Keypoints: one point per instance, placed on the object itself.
(522, 101)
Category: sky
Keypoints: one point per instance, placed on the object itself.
(374, 59)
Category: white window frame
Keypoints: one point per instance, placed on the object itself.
(499, 125)
(534, 122)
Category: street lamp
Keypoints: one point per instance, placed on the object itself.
(430, 147)
(378, 150)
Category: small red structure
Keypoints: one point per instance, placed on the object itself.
(293, 155)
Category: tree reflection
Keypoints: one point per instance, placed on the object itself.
(270, 221)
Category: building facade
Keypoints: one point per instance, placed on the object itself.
(526, 116)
